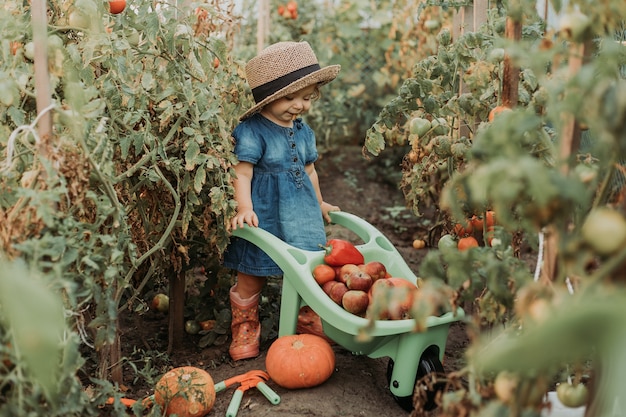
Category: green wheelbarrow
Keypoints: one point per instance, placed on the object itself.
(417, 353)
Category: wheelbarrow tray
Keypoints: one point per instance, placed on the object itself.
(396, 339)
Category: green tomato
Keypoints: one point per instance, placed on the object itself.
(604, 230)
(132, 35)
(419, 126)
(9, 94)
(192, 327)
(29, 50)
(572, 395)
(446, 243)
(55, 42)
(78, 20)
(432, 24)
(440, 126)
(586, 173)
(496, 55)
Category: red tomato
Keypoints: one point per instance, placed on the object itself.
(467, 242)
(117, 6)
(497, 110)
(323, 273)
(463, 229)
(477, 223)
(292, 6)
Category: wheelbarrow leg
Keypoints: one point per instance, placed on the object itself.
(289, 306)
(410, 348)
(417, 354)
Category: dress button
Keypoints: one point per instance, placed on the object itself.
(295, 159)
(291, 133)
(293, 145)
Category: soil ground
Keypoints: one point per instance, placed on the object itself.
(359, 386)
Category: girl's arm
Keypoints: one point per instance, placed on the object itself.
(326, 207)
(243, 196)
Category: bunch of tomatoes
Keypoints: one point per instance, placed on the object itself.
(288, 11)
(466, 234)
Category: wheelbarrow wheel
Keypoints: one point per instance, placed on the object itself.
(428, 364)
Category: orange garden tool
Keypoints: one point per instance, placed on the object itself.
(251, 379)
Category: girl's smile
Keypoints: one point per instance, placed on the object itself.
(285, 110)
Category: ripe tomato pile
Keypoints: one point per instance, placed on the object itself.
(353, 283)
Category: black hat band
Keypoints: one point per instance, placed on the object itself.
(263, 91)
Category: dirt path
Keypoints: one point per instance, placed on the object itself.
(359, 385)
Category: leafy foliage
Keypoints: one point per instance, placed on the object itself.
(134, 184)
(528, 167)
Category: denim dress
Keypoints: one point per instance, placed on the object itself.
(283, 196)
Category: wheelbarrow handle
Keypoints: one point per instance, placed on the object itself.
(269, 393)
(220, 386)
(233, 407)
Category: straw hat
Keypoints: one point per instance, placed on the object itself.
(284, 68)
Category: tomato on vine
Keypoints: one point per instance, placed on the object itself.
(463, 229)
(477, 223)
(571, 395)
(117, 6)
(497, 110)
(467, 242)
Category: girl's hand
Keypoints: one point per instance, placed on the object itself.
(327, 208)
(247, 216)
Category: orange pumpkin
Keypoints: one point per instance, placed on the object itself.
(300, 361)
(186, 391)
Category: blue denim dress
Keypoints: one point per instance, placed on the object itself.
(283, 196)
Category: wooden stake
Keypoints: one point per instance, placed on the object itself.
(568, 144)
(262, 24)
(42, 77)
(176, 314)
(510, 73)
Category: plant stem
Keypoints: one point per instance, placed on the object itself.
(149, 155)
(166, 234)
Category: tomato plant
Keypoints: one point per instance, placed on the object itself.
(134, 185)
(529, 162)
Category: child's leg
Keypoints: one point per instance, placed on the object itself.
(249, 285)
(245, 326)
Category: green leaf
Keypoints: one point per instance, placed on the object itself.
(147, 81)
(34, 313)
(374, 142)
(199, 179)
(192, 152)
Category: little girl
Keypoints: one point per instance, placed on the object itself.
(277, 186)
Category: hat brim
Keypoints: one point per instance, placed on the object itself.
(319, 77)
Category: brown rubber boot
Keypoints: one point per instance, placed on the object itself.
(245, 326)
